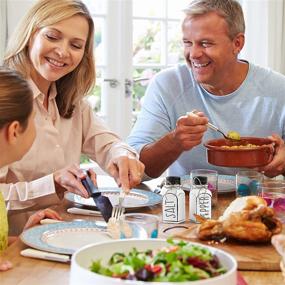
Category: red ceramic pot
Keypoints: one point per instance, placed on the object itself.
(257, 156)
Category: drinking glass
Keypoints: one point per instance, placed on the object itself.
(139, 225)
(273, 192)
(248, 182)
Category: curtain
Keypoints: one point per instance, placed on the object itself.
(265, 33)
(3, 28)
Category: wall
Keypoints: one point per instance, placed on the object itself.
(15, 10)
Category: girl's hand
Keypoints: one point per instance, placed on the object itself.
(5, 265)
(42, 214)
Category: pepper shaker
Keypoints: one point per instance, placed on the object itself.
(200, 199)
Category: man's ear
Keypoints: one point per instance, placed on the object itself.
(238, 42)
(13, 132)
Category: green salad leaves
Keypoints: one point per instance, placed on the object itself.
(180, 261)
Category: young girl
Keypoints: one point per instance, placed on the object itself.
(17, 133)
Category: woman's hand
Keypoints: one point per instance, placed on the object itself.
(69, 179)
(127, 170)
(42, 214)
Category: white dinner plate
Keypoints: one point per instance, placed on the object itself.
(226, 183)
(135, 199)
(64, 237)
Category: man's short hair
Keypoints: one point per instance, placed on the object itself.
(230, 10)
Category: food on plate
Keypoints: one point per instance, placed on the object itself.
(233, 135)
(247, 219)
(180, 261)
(118, 228)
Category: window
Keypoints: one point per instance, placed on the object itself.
(156, 41)
(98, 10)
(134, 40)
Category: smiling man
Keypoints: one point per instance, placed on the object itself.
(227, 91)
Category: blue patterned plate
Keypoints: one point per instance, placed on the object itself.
(64, 237)
(135, 199)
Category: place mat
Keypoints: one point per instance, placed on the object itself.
(249, 256)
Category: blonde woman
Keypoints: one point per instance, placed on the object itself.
(53, 49)
(17, 133)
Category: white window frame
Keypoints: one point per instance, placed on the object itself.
(116, 103)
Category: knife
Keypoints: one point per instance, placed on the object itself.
(102, 203)
(87, 212)
(29, 252)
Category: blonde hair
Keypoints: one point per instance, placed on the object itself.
(230, 10)
(73, 86)
(16, 98)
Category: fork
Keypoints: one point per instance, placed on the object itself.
(119, 210)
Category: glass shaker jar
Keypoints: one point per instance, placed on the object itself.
(173, 201)
(200, 199)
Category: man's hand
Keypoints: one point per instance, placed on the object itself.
(189, 130)
(277, 165)
(159, 155)
(127, 170)
(69, 179)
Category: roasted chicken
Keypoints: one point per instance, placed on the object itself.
(247, 219)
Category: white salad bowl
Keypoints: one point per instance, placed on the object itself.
(82, 259)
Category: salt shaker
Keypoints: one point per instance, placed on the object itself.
(200, 199)
(173, 202)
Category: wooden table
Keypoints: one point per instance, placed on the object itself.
(28, 271)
